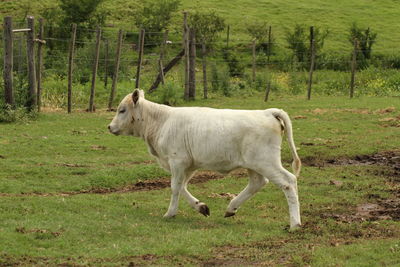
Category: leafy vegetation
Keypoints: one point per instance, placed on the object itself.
(299, 41)
(206, 25)
(155, 17)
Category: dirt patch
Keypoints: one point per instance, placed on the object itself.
(299, 117)
(23, 230)
(131, 261)
(353, 110)
(98, 147)
(160, 183)
(147, 185)
(336, 110)
(385, 158)
(390, 121)
(385, 110)
(383, 209)
(146, 162)
(227, 196)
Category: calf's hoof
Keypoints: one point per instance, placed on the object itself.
(229, 214)
(203, 209)
(167, 215)
(295, 227)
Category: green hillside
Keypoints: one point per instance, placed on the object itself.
(382, 16)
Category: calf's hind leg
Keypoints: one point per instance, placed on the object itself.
(288, 183)
(193, 202)
(256, 182)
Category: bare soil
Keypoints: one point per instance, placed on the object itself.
(147, 185)
(385, 158)
(376, 208)
(383, 209)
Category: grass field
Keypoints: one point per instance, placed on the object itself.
(71, 193)
(337, 16)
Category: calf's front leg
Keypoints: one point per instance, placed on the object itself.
(193, 202)
(177, 181)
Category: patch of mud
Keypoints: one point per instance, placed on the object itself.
(385, 158)
(227, 196)
(131, 261)
(353, 110)
(383, 209)
(390, 121)
(146, 162)
(147, 185)
(23, 230)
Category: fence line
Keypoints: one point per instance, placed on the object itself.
(246, 53)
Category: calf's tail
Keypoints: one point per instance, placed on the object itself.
(284, 117)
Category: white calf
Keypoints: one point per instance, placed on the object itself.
(190, 138)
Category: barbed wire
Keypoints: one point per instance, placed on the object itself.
(243, 47)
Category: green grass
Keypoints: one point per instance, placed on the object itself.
(337, 16)
(59, 153)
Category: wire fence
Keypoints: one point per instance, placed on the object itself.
(241, 64)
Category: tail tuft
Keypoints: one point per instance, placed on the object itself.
(283, 116)
(296, 166)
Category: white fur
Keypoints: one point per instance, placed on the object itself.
(189, 138)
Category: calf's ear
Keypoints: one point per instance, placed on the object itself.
(135, 96)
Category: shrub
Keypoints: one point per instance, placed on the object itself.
(168, 94)
(259, 31)
(214, 78)
(206, 25)
(261, 59)
(299, 41)
(297, 82)
(19, 114)
(366, 39)
(225, 84)
(156, 16)
(235, 63)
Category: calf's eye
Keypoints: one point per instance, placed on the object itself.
(122, 111)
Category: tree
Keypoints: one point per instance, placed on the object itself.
(80, 11)
(299, 41)
(85, 13)
(156, 16)
(207, 25)
(259, 31)
(366, 39)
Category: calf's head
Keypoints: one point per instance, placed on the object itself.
(128, 117)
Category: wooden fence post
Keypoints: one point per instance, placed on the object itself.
(167, 68)
(204, 61)
(186, 55)
(267, 90)
(115, 76)
(140, 59)
(8, 61)
(227, 37)
(353, 68)
(30, 49)
(71, 64)
(312, 61)
(39, 64)
(269, 43)
(162, 53)
(94, 74)
(254, 61)
(106, 64)
(20, 57)
(192, 64)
